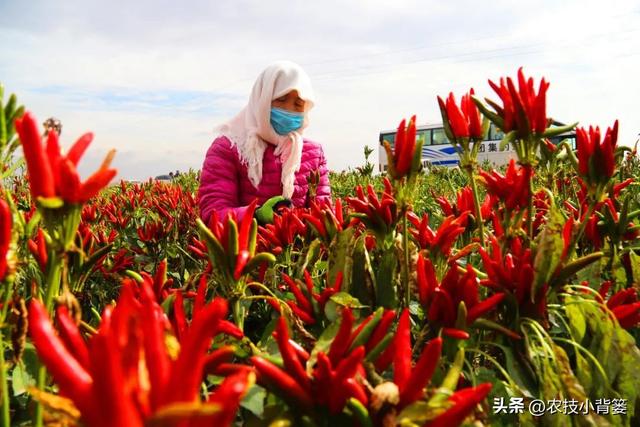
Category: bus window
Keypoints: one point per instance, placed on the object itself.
(391, 137)
(425, 135)
(439, 137)
(495, 134)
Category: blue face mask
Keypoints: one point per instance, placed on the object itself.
(284, 122)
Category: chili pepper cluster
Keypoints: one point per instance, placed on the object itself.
(413, 299)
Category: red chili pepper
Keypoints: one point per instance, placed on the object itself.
(5, 235)
(455, 118)
(289, 357)
(229, 395)
(308, 280)
(403, 166)
(628, 315)
(465, 401)
(99, 179)
(179, 317)
(338, 208)
(625, 296)
(373, 197)
(458, 334)
(109, 376)
(323, 379)
(421, 373)
(316, 224)
(73, 380)
(381, 330)
(79, 147)
(41, 181)
(201, 294)
(301, 299)
(442, 308)
(160, 279)
(157, 358)
(348, 366)
(340, 343)
(303, 315)
(218, 357)
(402, 357)
(472, 115)
(426, 279)
(241, 261)
(71, 337)
(228, 328)
(245, 228)
(303, 354)
(187, 369)
(484, 306)
(270, 374)
(400, 142)
(360, 327)
(385, 359)
(352, 388)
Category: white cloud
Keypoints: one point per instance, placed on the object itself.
(152, 78)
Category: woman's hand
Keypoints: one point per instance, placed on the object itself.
(264, 214)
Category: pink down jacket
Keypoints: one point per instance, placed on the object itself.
(225, 185)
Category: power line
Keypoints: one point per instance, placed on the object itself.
(369, 69)
(381, 68)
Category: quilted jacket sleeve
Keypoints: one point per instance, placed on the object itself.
(323, 192)
(219, 190)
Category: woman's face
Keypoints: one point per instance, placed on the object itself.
(290, 102)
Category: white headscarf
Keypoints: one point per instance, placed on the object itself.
(250, 130)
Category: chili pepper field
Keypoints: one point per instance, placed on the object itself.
(473, 296)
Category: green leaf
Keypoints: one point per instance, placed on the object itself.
(592, 273)
(502, 390)
(574, 266)
(310, 257)
(628, 379)
(93, 259)
(583, 370)
(254, 400)
(573, 389)
(341, 256)
(322, 344)
(619, 272)
(341, 299)
(635, 266)
(21, 379)
(24, 373)
(577, 321)
(362, 279)
(386, 295)
(518, 371)
(616, 351)
(549, 248)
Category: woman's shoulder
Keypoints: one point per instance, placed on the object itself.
(222, 142)
(221, 149)
(312, 148)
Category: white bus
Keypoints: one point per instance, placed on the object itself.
(438, 151)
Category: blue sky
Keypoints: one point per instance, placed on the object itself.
(153, 78)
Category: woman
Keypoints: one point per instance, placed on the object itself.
(260, 153)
